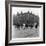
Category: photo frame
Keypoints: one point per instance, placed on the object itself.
(25, 22)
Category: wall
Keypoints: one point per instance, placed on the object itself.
(3, 24)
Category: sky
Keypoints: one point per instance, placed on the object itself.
(35, 11)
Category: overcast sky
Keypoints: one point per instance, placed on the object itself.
(35, 11)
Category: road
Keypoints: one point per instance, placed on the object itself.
(24, 33)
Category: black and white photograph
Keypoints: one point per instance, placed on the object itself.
(26, 22)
